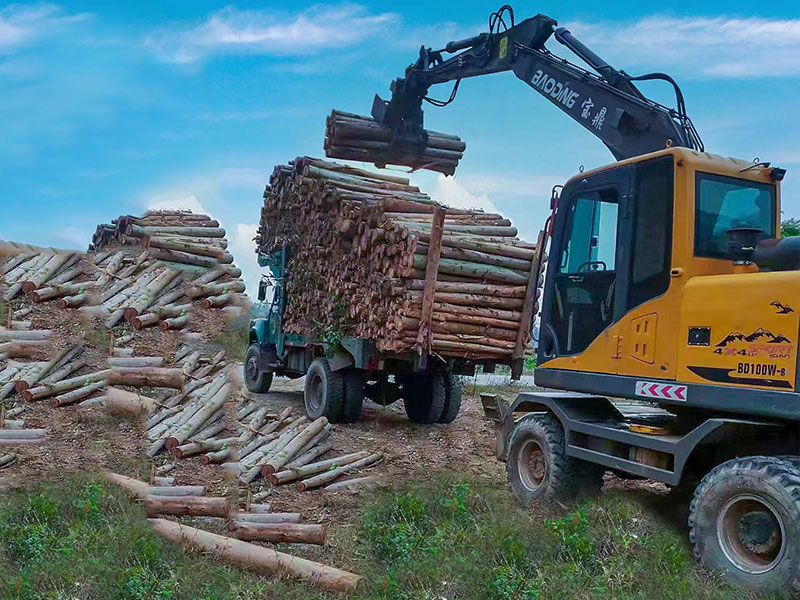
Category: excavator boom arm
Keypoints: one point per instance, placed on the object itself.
(607, 103)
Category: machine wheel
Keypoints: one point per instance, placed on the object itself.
(353, 395)
(745, 520)
(257, 381)
(537, 467)
(452, 398)
(324, 392)
(424, 398)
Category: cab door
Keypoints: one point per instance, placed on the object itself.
(587, 256)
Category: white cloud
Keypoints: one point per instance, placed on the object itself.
(449, 191)
(23, 24)
(243, 248)
(713, 47)
(270, 31)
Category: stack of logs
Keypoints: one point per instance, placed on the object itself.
(283, 449)
(248, 523)
(373, 257)
(150, 271)
(192, 421)
(356, 137)
(174, 236)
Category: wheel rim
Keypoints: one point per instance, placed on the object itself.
(314, 397)
(532, 465)
(252, 368)
(751, 533)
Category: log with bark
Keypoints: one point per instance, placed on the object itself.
(257, 558)
(356, 137)
(280, 533)
(181, 506)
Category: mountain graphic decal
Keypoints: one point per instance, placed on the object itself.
(758, 335)
(730, 338)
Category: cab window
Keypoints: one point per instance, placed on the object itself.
(726, 202)
(592, 241)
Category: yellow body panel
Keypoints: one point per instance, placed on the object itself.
(703, 292)
(754, 327)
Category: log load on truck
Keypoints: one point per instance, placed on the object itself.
(669, 285)
(381, 292)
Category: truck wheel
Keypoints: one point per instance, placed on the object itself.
(537, 467)
(745, 520)
(257, 381)
(324, 391)
(452, 398)
(353, 395)
(424, 398)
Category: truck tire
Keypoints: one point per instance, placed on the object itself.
(744, 519)
(353, 395)
(537, 467)
(452, 398)
(424, 398)
(257, 381)
(324, 392)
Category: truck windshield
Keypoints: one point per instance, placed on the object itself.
(726, 202)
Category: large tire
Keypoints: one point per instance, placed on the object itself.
(324, 392)
(537, 467)
(452, 399)
(424, 398)
(256, 380)
(745, 521)
(353, 395)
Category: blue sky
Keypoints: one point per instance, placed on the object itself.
(112, 108)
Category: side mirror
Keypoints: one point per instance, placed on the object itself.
(262, 290)
(742, 242)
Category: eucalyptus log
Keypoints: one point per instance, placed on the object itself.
(257, 558)
(281, 533)
(318, 467)
(146, 376)
(327, 477)
(182, 506)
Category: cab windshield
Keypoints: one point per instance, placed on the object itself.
(726, 202)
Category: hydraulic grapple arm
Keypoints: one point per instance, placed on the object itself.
(607, 103)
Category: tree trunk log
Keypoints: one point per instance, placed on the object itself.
(257, 558)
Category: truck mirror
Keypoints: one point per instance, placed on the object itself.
(262, 290)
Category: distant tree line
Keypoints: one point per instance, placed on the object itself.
(790, 227)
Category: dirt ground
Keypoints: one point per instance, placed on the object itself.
(411, 452)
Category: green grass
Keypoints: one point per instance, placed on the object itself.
(446, 539)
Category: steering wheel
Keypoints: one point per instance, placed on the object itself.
(592, 265)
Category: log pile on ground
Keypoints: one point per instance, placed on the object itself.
(283, 449)
(373, 257)
(64, 378)
(191, 421)
(356, 137)
(253, 522)
(44, 274)
(151, 271)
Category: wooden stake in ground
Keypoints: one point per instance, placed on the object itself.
(257, 558)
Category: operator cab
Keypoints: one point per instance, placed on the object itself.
(633, 252)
